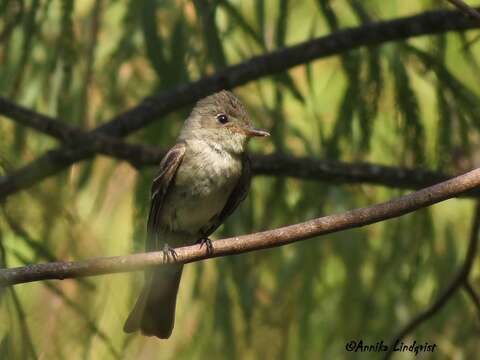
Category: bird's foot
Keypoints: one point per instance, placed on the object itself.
(204, 240)
(169, 252)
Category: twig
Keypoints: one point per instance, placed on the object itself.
(151, 108)
(472, 294)
(262, 240)
(468, 10)
(457, 282)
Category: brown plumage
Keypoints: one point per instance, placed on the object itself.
(201, 181)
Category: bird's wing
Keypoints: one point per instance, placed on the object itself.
(238, 194)
(168, 168)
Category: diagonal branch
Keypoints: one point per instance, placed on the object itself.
(460, 279)
(372, 34)
(472, 294)
(57, 128)
(262, 240)
(468, 10)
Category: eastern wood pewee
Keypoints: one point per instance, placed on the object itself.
(202, 179)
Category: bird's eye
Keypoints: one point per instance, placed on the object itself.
(222, 118)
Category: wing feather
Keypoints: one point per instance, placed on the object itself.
(161, 183)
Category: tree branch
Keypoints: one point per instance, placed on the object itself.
(262, 240)
(460, 279)
(466, 9)
(338, 172)
(308, 168)
(472, 294)
(372, 34)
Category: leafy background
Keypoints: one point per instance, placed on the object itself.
(413, 103)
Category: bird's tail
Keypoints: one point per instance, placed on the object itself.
(154, 311)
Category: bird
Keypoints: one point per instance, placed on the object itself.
(200, 182)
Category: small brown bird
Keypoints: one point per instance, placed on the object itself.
(201, 181)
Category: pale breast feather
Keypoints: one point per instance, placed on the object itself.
(202, 187)
(199, 195)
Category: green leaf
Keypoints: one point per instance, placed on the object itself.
(240, 20)
(213, 44)
(154, 43)
(178, 51)
(411, 128)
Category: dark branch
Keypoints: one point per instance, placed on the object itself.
(472, 294)
(372, 34)
(466, 9)
(280, 60)
(58, 128)
(457, 282)
(308, 168)
(257, 241)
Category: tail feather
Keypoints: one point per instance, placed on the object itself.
(154, 311)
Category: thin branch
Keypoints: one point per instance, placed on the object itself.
(466, 9)
(58, 128)
(151, 108)
(241, 244)
(472, 294)
(310, 168)
(457, 282)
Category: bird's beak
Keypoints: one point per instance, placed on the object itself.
(257, 132)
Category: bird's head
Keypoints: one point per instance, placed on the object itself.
(223, 119)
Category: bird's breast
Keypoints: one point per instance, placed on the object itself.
(202, 185)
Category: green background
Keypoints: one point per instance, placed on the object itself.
(413, 103)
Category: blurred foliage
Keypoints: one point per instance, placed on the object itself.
(412, 103)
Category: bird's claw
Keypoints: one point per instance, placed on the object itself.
(169, 252)
(204, 240)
